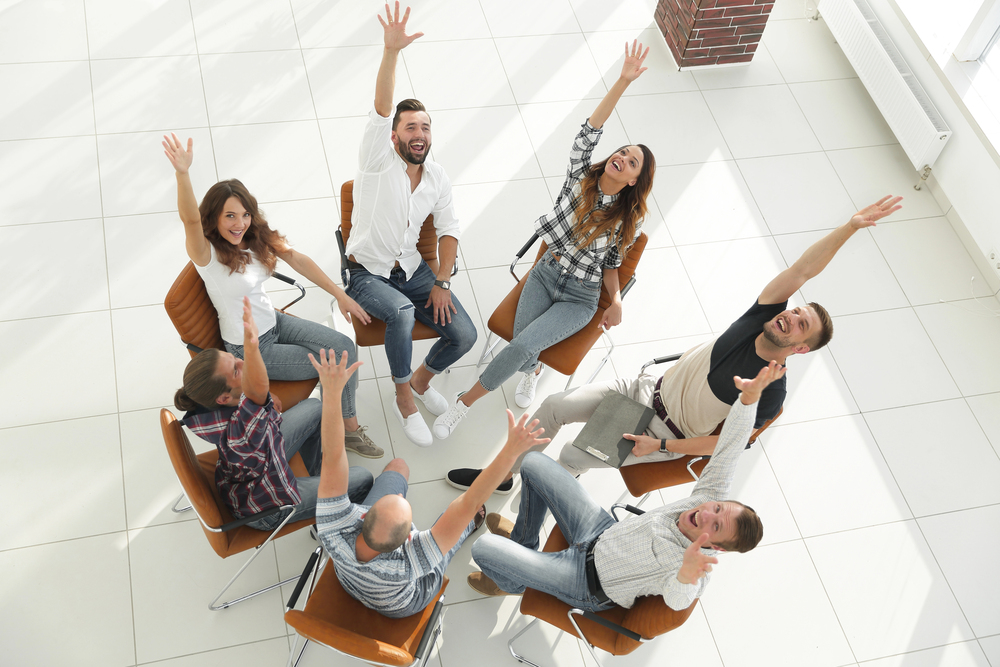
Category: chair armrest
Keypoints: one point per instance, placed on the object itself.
(430, 630)
(253, 517)
(611, 625)
(291, 281)
(624, 290)
(345, 273)
(310, 565)
(661, 360)
(520, 254)
(630, 508)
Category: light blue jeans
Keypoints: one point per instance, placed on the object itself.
(553, 306)
(300, 429)
(286, 346)
(515, 564)
(400, 303)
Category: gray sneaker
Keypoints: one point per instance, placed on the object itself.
(359, 443)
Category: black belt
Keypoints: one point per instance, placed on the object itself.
(661, 411)
(593, 583)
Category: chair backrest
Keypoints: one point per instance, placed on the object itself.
(427, 243)
(190, 309)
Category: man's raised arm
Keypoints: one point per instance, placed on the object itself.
(396, 40)
(333, 479)
(819, 254)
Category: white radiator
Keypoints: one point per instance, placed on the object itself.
(918, 126)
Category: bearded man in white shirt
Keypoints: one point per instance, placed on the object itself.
(396, 188)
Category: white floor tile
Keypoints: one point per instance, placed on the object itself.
(136, 177)
(552, 127)
(967, 475)
(127, 29)
(797, 193)
(34, 290)
(91, 611)
(343, 84)
(725, 281)
(650, 120)
(475, 63)
(991, 647)
(636, 15)
(87, 489)
(577, 78)
(887, 590)
(842, 114)
(232, 26)
(276, 161)
(38, 360)
(962, 654)
(32, 170)
(760, 72)
(692, 643)
(706, 202)
(137, 94)
(964, 333)
(497, 219)
(886, 376)
(776, 126)
(341, 137)
(255, 654)
(506, 17)
(872, 173)
(261, 87)
(756, 486)
(930, 261)
(662, 75)
(975, 588)
(757, 585)
(472, 155)
(134, 245)
(341, 23)
(449, 20)
(816, 389)
(175, 574)
(987, 411)
(858, 280)
(310, 227)
(805, 50)
(46, 100)
(39, 31)
(813, 460)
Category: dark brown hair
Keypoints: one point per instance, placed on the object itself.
(826, 332)
(397, 533)
(749, 530)
(628, 209)
(259, 238)
(408, 105)
(202, 386)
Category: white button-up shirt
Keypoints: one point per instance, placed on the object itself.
(386, 220)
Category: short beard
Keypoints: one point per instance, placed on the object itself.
(407, 154)
(771, 337)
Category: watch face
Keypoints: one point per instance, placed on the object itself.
(444, 284)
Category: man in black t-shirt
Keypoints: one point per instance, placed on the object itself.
(696, 393)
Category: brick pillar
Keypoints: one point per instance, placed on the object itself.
(712, 32)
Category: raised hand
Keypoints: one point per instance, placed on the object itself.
(522, 436)
(696, 564)
(333, 374)
(249, 326)
(180, 158)
(869, 215)
(395, 36)
(751, 389)
(632, 67)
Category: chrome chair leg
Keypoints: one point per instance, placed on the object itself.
(291, 654)
(573, 613)
(177, 510)
(510, 645)
(487, 348)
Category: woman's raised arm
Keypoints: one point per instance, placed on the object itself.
(198, 247)
(631, 70)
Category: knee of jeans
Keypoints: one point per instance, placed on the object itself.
(399, 465)
(467, 336)
(482, 547)
(402, 316)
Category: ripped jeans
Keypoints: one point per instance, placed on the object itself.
(400, 303)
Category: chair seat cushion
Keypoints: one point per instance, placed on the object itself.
(642, 478)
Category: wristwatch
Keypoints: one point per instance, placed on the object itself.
(443, 284)
(663, 445)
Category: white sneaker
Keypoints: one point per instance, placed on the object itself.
(432, 399)
(446, 423)
(414, 427)
(525, 393)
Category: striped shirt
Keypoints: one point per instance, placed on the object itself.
(252, 473)
(643, 554)
(556, 228)
(386, 583)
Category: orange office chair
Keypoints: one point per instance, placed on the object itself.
(367, 335)
(227, 536)
(618, 631)
(336, 620)
(566, 355)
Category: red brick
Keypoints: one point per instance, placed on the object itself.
(721, 41)
(744, 11)
(728, 51)
(696, 53)
(698, 62)
(768, 7)
(706, 4)
(749, 39)
(714, 33)
(726, 60)
(694, 44)
(750, 30)
(710, 14)
(749, 20)
(712, 23)
(752, 48)
(733, 3)
(762, 2)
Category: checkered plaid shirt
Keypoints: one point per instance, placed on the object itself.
(556, 228)
(643, 554)
(252, 472)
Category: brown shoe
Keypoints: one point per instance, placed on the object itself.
(359, 443)
(482, 584)
(499, 525)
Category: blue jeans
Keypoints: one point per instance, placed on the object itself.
(553, 306)
(515, 564)
(300, 429)
(388, 483)
(400, 303)
(285, 348)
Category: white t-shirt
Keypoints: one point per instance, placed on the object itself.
(227, 291)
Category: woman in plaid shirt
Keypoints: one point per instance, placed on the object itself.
(595, 221)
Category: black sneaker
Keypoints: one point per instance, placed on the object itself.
(462, 478)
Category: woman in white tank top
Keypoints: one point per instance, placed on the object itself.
(234, 251)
